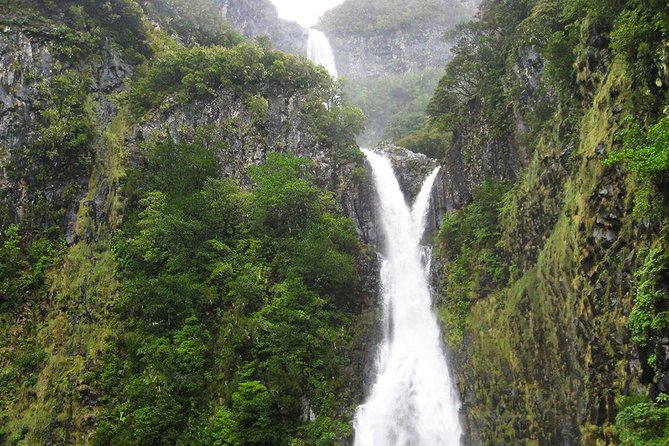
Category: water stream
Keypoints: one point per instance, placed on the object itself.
(320, 52)
(413, 401)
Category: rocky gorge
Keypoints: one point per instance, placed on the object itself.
(121, 131)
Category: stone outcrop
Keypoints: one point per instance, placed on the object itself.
(255, 18)
(361, 56)
(377, 53)
(27, 64)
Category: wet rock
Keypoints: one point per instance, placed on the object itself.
(255, 18)
(410, 168)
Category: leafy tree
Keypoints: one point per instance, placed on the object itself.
(646, 155)
(254, 410)
(285, 198)
(211, 271)
(643, 424)
(224, 429)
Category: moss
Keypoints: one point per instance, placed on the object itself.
(76, 327)
(545, 349)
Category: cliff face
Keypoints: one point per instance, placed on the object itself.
(540, 255)
(30, 67)
(392, 54)
(393, 51)
(69, 144)
(260, 18)
(384, 40)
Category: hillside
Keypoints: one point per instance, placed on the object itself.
(391, 54)
(551, 123)
(175, 263)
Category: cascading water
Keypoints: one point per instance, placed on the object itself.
(413, 401)
(320, 52)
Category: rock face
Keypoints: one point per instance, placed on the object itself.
(410, 168)
(27, 64)
(404, 49)
(392, 53)
(255, 18)
(543, 357)
(360, 56)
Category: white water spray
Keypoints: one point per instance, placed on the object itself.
(413, 401)
(320, 52)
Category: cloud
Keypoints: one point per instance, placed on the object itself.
(304, 12)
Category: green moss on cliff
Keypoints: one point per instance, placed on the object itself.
(547, 356)
(370, 17)
(95, 339)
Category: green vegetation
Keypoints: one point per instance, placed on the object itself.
(468, 240)
(233, 305)
(370, 17)
(648, 317)
(185, 74)
(643, 424)
(25, 261)
(485, 54)
(194, 21)
(394, 103)
(646, 155)
(81, 27)
(187, 308)
(59, 149)
(558, 93)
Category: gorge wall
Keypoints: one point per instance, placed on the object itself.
(260, 18)
(543, 263)
(391, 54)
(110, 117)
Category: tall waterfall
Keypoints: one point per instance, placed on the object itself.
(413, 401)
(320, 52)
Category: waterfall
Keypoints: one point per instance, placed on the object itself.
(320, 52)
(413, 401)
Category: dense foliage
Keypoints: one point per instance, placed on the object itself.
(563, 85)
(646, 155)
(82, 27)
(196, 73)
(186, 308)
(486, 52)
(368, 16)
(194, 21)
(643, 424)
(233, 305)
(474, 267)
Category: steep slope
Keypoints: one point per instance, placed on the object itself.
(553, 271)
(151, 291)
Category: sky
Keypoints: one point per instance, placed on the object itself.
(304, 12)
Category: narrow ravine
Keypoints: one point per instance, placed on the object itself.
(413, 401)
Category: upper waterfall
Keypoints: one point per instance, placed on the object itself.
(413, 401)
(320, 52)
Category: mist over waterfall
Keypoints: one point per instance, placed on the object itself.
(320, 52)
(413, 401)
